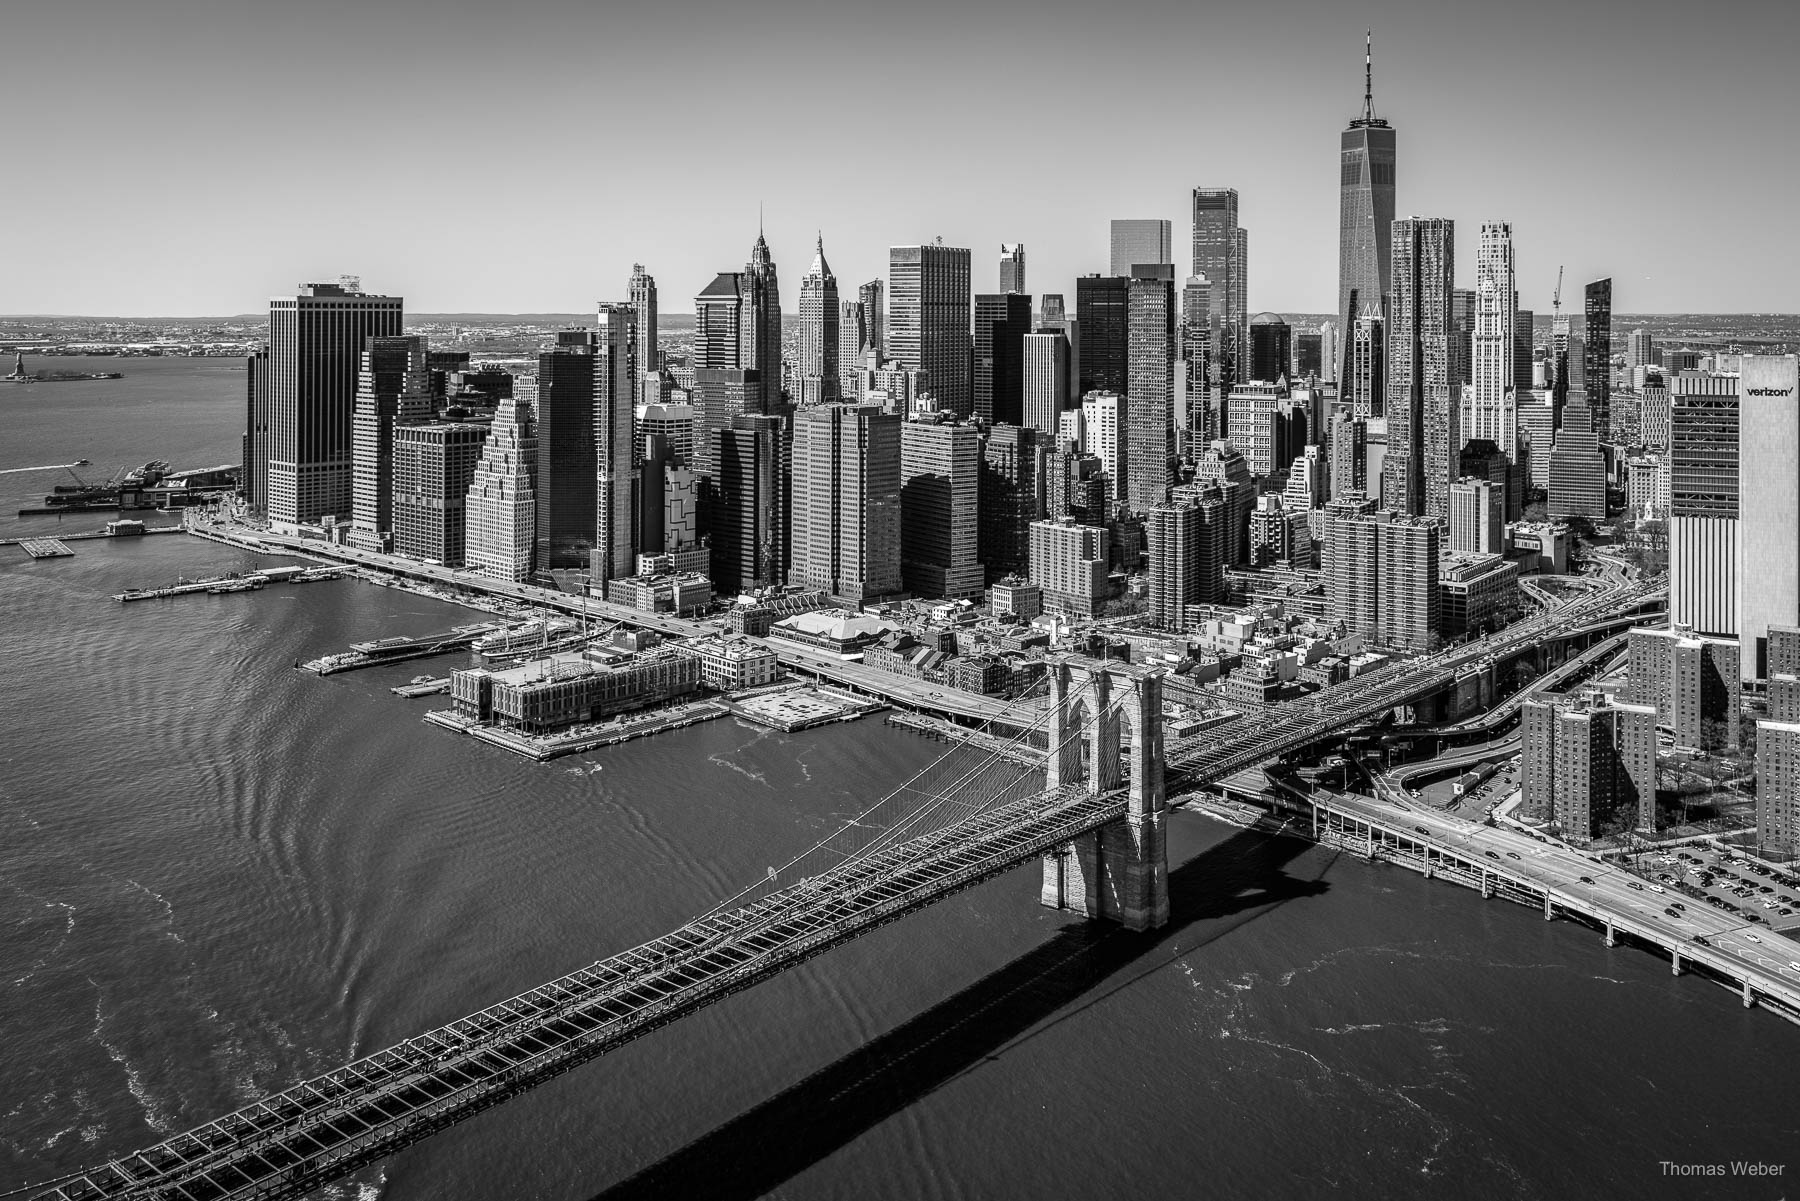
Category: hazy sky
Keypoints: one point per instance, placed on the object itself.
(179, 157)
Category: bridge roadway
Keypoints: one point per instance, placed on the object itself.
(1212, 755)
(288, 1144)
(324, 1128)
(1500, 861)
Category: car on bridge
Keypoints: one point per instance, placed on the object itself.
(1587, 879)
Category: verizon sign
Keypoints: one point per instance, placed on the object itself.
(1769, 376)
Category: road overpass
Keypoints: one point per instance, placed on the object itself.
(1761, 967)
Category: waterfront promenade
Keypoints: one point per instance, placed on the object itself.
(914, 694)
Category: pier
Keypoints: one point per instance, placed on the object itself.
(574, 740)
(398, 650)
(235, 582)
(154, 529)
(45, 548)
(801, 709)
(422, 688)
(948, 731)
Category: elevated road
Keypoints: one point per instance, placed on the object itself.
(1761, 964)
(1212, 755)
(915, 694)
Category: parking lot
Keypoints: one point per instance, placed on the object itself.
(1478, 801)
(1745, 888)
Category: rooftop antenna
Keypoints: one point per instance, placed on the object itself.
(1369, 75)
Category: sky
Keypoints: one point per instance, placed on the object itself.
(195, 157)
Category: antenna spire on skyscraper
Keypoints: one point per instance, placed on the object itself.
(1369, 75)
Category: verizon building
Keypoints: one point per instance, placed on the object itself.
(316, 340)
(1769, 537)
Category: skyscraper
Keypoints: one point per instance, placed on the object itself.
(816, 374)
(668, 486)
(1046, 380)
(1365, 375)
(1200, 423)
(846, 500)
(615, 446)
(1140, 240)
(1012, 267)
(1271, 347)
(1423, 434)
(718, 323)
(940, 498)
(750, 516)
(928, 319)
(649, 358)
(1492, 405)
(566, 462)
(393, 385)
(256, 429)
(1597, 354)
(853, 341)
(501, 532)
(1769, 438)
(1365, 208)
(1222, 464)
(1149, 385)
(316, 340)
(1477, 516)
(1103, 311)
(719, 396)
(759, 318)
(434, 463)
(869, 295)
(1462, 337)
(1216, 249)
(1577, 467)
(1185, 539)
(1001, 322)
(1704, 489)
(1011, 497)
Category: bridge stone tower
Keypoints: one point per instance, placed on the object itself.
(1120, 871)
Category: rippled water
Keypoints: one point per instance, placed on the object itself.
(218, 874)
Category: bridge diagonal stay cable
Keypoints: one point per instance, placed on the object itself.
(842, 843)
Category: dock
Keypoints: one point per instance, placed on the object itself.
(800, 709)
(46, 548)
(422, 688)
(154, 529)
(949, 731)
(239, 582)
(573, 741)
(398, 650)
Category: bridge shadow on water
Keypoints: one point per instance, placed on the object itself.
(757, 1151)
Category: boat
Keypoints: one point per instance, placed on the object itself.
(526, 636)
(247, 584)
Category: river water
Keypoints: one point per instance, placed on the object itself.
(219, 874)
